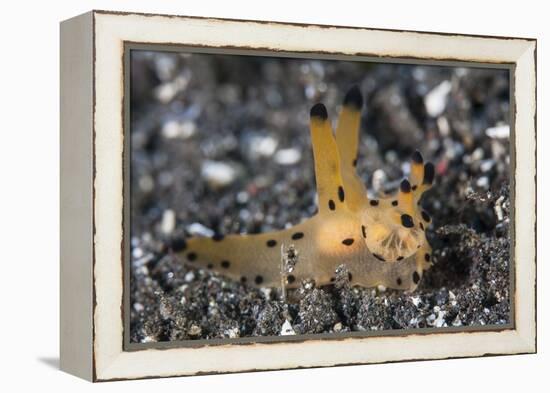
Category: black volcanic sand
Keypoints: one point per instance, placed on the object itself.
(221, 144)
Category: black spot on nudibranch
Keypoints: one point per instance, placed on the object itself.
(373, 202)
(341, 194)
(407, 221)
(243, 279)
(425, 216)
(218, 237)
(191, 256)
(354, 163)
(429, 173)
(414, 187)
(421, 226)
(350, 276)
(271, 243)
(290, 279)
(400, 258)
(258, 280)
(347, 242)
(364, 231)
(320, 111)
(354, 98)
(379, 257)
(331, 205)
(297, 235)
(427, 257)
(405, 186)
(225, 264)
(416, 277)
(394, 203)
(399, 282)
(178, 245)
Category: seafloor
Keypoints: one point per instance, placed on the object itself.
(220, 144)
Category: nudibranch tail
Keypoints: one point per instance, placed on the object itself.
(250, 259)
(381, 241)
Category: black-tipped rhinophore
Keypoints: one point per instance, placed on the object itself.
(405, 186)
(429, 173)
(319, 111)
(417, 157)
(354, 98)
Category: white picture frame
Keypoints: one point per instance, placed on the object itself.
(92, 194)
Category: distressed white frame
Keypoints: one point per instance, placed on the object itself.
(102, 293)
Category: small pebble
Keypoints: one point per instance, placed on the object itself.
(288, 156)
(218, 174)
(137, 253)
(483, 182)
(440, 320)
(378, 180)
(232, 333)
(174, 129)
(500, 131)
(498, 208)
(146, 183)
(194, 330)
(258, 146)
(168, 221)
(436, 100)
(197, 229)
(287, 329)
(486, 165)
(443, 126)
(242, 197)
(457, 322)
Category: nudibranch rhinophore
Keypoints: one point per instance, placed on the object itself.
(381, 241)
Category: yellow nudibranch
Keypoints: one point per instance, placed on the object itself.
(381, 241)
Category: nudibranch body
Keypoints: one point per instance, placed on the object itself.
(381, 241)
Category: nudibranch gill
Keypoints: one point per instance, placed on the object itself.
(381, 241)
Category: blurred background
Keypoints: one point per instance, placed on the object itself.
(220, 144)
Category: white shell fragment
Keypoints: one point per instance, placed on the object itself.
(501, 131)
(168, 221)
(436, 100)
(289, 156)
(287, 330)
(174, 129)
(261, 146)
(197, 229)
(218, 174)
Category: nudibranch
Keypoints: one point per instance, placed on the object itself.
(381, 241)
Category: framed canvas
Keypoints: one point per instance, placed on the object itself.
(246, 195)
